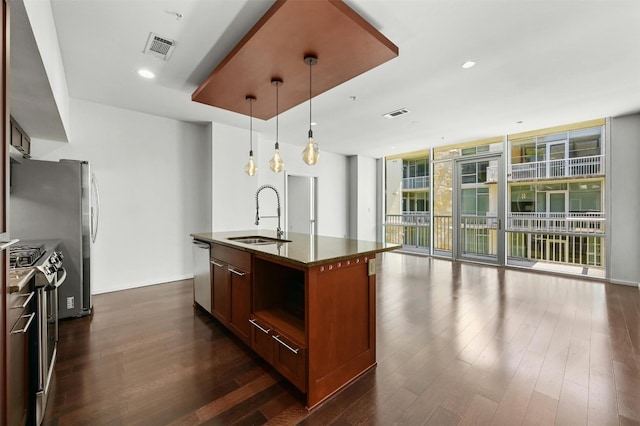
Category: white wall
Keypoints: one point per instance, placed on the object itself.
(363, 184)
(624, 200)
(233, 190)
(394, 186)
(155, 189)
(44, 32)
(332, 191)
(162, 179)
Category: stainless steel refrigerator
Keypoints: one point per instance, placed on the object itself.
(58, 200)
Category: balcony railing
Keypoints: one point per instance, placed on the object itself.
(408, 219)
(418, 182)
(577, 239)
(578, 250)
(567, 167)
(479, 234)
(558, 223)
(411, 229)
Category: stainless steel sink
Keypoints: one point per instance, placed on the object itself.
(257, 240)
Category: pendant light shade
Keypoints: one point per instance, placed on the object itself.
(250, 168)
(276, 164)
(311, 153)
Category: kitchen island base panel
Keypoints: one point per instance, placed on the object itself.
(313, 403)
(312, 307)
(341, 326)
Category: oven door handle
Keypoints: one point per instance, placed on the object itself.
(60, 281)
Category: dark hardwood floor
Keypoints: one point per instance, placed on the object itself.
(458, 344)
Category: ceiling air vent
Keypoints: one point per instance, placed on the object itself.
(160, 47)
(396, 113)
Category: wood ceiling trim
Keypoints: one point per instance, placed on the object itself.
(346, 46)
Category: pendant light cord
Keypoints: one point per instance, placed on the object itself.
(277, 114)
(251, 126)
(310, 131)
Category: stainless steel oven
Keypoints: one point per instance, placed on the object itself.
(47, 309)
(50, 275)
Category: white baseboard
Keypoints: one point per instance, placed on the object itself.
(142, 284)
(623, 282)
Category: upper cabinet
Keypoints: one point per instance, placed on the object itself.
(19, 139)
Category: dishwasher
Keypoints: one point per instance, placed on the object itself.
(201, 275)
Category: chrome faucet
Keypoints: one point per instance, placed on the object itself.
(279, 231)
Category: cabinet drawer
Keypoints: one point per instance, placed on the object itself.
(290, 359)
(261, 340)
(20, 304)
(238, 258)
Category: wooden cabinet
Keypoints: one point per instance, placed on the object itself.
(341, 324)
(21, 341)
(261, 341)
(19, 139)
(280, 348)
(278, 319)
(321, 321)
(314, 322)
(220, 290)
(4, 192)
(290, 358)
(240, 302)
(231, 289)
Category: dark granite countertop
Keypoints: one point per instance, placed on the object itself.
(303, 250)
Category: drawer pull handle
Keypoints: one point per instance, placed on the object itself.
(242, 274)
(265, 331)
(26, 327)
(26, 302)
(295, 351)
(219, 265)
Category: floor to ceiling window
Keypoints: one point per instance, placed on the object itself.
(556, 218)
(443, 200)
(407, 219)
(552, 211)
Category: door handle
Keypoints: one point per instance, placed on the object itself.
(26, 302)
(264, 330)
(234, 271)
(26, 327)
(294, 350)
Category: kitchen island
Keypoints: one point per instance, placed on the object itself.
(306, 304)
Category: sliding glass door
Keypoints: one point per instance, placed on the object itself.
(478, 206)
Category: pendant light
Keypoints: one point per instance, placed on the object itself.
(276, 164)
(250, 168)
(310, 154)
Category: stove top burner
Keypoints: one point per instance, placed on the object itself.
(25, 255)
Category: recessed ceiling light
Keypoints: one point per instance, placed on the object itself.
(468, 64)
(145, 73)
(313, 123)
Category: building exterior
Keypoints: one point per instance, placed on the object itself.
(407, 215)
(556, 196)
(533, 200)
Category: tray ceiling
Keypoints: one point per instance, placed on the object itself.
(345, 44)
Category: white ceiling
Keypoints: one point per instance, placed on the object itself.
(543, 63)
